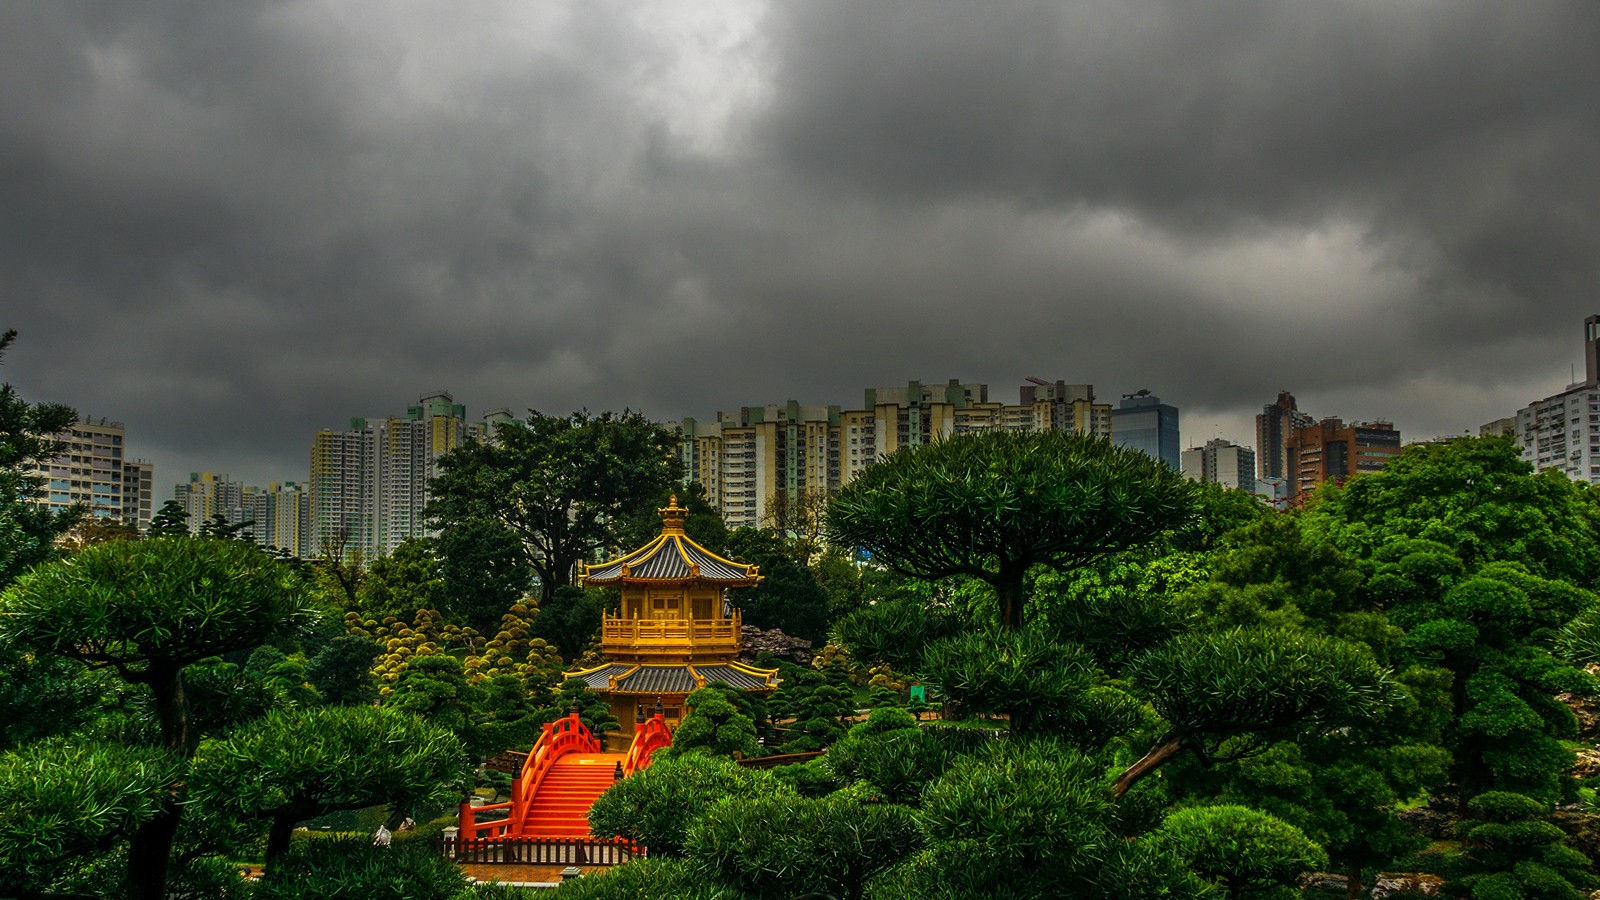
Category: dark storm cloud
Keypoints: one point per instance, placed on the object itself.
(232, 224)
(1459, 141)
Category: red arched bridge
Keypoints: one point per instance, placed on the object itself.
(564, 773)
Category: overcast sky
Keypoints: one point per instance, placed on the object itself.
(231, 224)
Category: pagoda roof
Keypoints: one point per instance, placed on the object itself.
(634, 678)
(673, 557)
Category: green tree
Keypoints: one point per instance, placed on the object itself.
(1514, 850)
(713, 725)
(657, 806)
(405, 581)
(992, 506)
(703, 525)
(345, 868)
(571, 618)
(780, 846)
(169, 521)
(1482, 565)
(220, 528)
(28, 529)
(484, 571)
(435, 688)
(1231, 694)
(1031, 819)
(788, 597)
(656, 878)
(815, 704)
(1247, 851)
(224, 695)
(895, 757)
(44, 694)
(342, 670)
(1118, 608)
(146, 609)
(896, 631)
(60, 801)
(512, 717)
(561, 484)
(296, 765)
(1036, 682)
(593, 711)
(1579, 640)
(1478, 498)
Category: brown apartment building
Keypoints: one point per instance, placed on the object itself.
(1330, 450)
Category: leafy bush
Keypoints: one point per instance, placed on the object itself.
(351, 868)
(59, 801)
(1243, 849)
(776, 847)
(1269, 683)
(713, 725)
(656, 807)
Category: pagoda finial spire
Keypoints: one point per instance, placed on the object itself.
(672, 517)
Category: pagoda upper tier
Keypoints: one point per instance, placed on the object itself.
(673, 558)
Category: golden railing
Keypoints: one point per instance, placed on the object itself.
(670, 634)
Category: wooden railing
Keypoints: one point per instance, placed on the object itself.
(671, 634)
(559, 738)
(541, 851)
(648, 737)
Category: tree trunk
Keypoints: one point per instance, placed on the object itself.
(149, 851)
(151, 845)
(172, 709)
(1146, 764)
(1352, 882)
(547, 583)
(1022, 720)
(278, 837)
(1008, 587)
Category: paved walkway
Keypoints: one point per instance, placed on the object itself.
(519, 874)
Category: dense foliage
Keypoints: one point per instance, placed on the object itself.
(993, 506)
(1148, 689)
(560, 484)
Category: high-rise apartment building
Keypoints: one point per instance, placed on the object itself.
(1506, 427)
(1059, 406)
(1562, 431)
(282, 516)
(753, 454)
(1330, 450)
(1142, 422)
(1222, 462)
(279, 514)
(369, 484)
(1275, 423)
(208, 494)
(91, 470)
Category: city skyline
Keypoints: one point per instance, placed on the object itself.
(230, 226)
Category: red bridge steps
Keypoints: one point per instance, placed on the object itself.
(561, 807)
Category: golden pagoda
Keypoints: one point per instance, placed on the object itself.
(674, 631)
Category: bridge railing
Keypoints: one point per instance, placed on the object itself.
(563, 736)
(648, 737)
